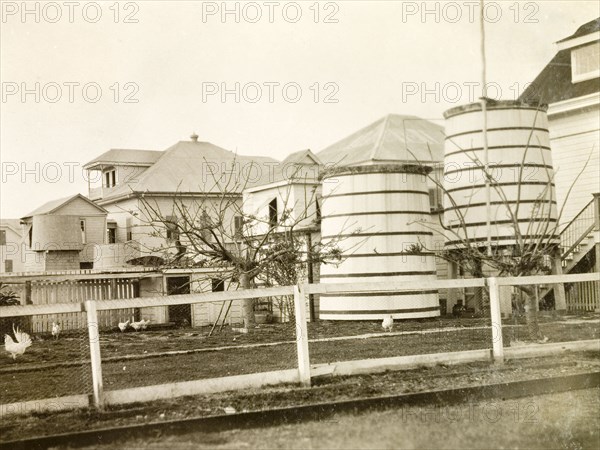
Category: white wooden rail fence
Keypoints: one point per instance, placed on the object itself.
(304, 371)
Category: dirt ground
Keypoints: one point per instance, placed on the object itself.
(557, 421)
(324, 389)
(53, 368)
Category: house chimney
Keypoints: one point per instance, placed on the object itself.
(194, 137)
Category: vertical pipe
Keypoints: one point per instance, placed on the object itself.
(597, 231)
(484, 129)
(96, 361)
(301, 337)
(497, 341)
(311, 298)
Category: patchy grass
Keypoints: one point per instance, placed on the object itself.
(57, 368)
(564, 420)
(323, 390)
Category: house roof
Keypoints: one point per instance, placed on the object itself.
(13, 224)
(554, 83)
(186, 168)
(586, 28)
(299, 167)
(53, 205)
(392, 138)
(125, 157)
(302, 157)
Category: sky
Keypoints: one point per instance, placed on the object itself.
(259, 78)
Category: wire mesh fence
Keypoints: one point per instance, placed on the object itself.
(530, 321)
(460, 326)
(153, 347)
(42, 364)
(142, 347)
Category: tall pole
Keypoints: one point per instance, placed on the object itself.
(484, 130)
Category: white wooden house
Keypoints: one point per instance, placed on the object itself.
(11, 255)
(570, 85)
(193, 172)
(62, 234)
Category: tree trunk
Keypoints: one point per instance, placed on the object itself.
(248, 303)
(531, 315)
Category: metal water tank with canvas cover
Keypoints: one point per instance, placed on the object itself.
(377, 213)
(520, 166)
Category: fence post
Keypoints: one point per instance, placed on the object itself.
(301, 336)
(497, 343)
(94, 337)
(597, 228)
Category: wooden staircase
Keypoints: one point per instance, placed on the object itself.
(577, 240)
(578, 237)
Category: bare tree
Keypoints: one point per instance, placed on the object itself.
(530, 252)
(216, 229)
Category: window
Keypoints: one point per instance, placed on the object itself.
(435, 199)
(110, 178)
(8, 265)
(318, 210)
(82, 226)
(86, 265)
(111, 233)
(238, 226)
(273, 213)
(585, 62)
(2, 237)
(172, 230)
(129, 230)
(206, 225)
(218, 285)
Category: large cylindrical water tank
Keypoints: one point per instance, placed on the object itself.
(520, 165)
(377, 215)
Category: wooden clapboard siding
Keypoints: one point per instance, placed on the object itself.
(574, 136)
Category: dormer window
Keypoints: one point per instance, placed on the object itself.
(585, 62)
(110, 178)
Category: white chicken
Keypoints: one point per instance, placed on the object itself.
(388, 323)
(141, 325)
(23, 340)
(123, 325)
(55, 330)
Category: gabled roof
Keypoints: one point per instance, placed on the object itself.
(13, 224)
(299, 167)
(302, 157)
(554, 83)
(186, 168)
(117, 156)
(393, 138)
(54, 205)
